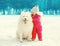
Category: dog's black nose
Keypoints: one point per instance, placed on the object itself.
(25, 18)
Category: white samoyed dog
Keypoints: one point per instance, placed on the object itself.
(25, 26)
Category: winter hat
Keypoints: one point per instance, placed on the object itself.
(35, 9)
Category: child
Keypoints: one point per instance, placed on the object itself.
(37, 27)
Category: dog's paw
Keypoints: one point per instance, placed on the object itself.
(29, 39)
(21, 41)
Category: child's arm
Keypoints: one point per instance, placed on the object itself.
(41, 14)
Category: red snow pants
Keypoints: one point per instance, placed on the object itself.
(37, 27)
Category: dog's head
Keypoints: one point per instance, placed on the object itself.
(26, 16)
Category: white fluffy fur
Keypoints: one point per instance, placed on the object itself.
(25, 30)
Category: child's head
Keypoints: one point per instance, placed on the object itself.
(35, 9)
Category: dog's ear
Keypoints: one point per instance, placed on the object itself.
(22, 13)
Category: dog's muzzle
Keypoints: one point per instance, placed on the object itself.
(25, 20)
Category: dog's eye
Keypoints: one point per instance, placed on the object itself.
(23, 16)
(26, 16)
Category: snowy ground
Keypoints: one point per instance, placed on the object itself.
(51, 32)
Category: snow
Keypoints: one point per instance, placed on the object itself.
(51, 32)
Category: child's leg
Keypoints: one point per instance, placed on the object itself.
(39, 33)
(33, 33)
(40, 36)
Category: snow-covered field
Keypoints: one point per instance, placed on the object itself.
(51, 32)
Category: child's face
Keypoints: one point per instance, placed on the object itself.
(33, 13)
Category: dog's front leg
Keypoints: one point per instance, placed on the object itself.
(21, 38)
(29, 37)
